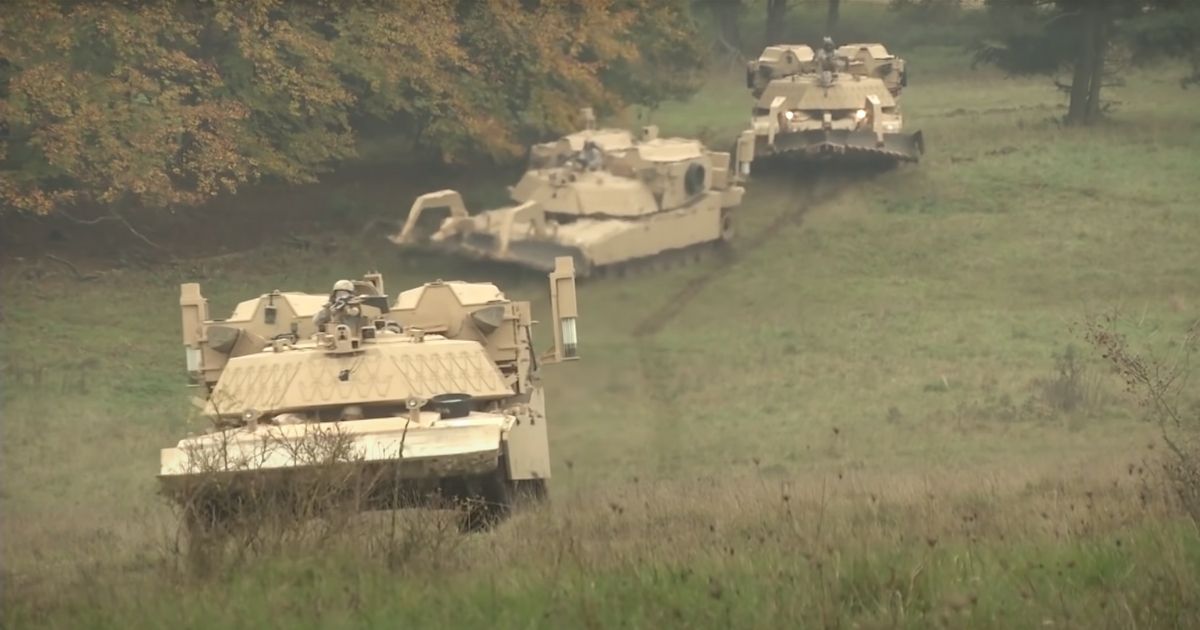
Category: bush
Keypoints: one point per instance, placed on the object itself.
(1160, 382)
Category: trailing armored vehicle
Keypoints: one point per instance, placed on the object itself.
(835, 102)
(871, 60)
(608, 199)
(436, 394)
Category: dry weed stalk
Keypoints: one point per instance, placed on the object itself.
(234, 506)
(1162, 386)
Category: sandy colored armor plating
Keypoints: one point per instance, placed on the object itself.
(603, 197)
(273, 382)
(843, 101)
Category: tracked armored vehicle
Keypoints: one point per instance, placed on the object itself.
(608, 199)
(392, 403)
(835, 103)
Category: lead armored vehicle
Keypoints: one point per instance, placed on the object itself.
(607, 198)
(836, 102)
(436, 393)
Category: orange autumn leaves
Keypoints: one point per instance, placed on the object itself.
(172, 103)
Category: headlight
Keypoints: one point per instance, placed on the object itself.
(193, 358)
(570, 337)
(860, 114)
(789, 115)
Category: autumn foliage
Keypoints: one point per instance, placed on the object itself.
(128, 104)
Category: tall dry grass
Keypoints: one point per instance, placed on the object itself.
(948, 548)
(1163, 382)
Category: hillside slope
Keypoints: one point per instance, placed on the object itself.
(865, 404)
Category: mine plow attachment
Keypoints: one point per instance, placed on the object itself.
(448, 199)
(519, 234)
(376, 455)
(823, 143)
(541, 256)
(528, 219)
(531, 253)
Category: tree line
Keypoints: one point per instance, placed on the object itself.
(1085, 45)
(119, 104)
(1092, 42)
(123, 104)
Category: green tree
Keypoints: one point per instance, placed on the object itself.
(726, 17)
(670, 54)
(161, 104)
(776, 22)
(123, 104)
(1171, 32)
(1078, 37)
(833, 15)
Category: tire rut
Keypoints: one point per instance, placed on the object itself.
(661, 383)
(813, 189)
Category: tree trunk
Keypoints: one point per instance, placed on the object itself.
(831, 18)
(776, 14)
(1081, 80)
(1099, 47)
(726, 14)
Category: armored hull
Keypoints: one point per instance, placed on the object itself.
(385, 463)
(384, 404)
(628, 202)
(598, 245)
(836, 106)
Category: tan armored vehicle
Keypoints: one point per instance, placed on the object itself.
(869, 60)
(434, 394)
(833, 102)
(605, 197)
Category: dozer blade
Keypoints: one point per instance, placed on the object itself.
(270, 456)
(518, 235)
(530, 254)
(822, 143)
(533, 254)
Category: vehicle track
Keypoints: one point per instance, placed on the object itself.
(662, 383)
(813, 188)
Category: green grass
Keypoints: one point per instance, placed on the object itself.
(880, 362)
(756, 587)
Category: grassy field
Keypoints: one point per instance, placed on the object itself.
(858, 421)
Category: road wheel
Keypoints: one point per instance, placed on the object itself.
(489, 503)
(727, 226)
